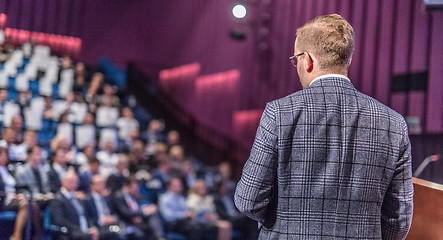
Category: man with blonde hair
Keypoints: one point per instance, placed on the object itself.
(328, 162)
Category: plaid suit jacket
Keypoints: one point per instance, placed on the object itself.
(329, 162)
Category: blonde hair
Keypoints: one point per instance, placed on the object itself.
(330, 38)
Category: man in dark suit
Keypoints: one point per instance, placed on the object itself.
(98, 205)
(224, 205)
(328, 161)
(136, 211)
(58, 169)
(68, 212)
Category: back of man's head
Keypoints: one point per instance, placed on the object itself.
(331, 39)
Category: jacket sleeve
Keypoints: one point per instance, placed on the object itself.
(396, 216)
(256, 187)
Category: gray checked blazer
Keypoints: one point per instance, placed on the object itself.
(25, 176)
(329, 162)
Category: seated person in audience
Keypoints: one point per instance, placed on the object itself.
(9, 200)
(173, 138)
(65, 64)
(188, 175)
(33, 175)
(98, 205)
(17, 126)
(65, 128)
(61, 106)
(226, 210)
(29, 141)
(85, 175)
(86, 133)
(134, 210)
(58, 169)
(126, 123)
(203, 204)
(79, 109)
(160, 178)
(48, 113)
(180, 218)
(107, 115)
(177, 155)
(109, 95)
(116, 180)
(80, 77)
(82, 158)
(129, 143)
(154, 133)
(137, 158)
(68, 211)
(155, 154)
(3, 103)
(23, 100)
(8, 142)
(225, 175)
(108, 158)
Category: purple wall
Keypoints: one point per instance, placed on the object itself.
(392, 37)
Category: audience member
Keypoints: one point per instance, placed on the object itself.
(65, 128)
(154, 133)
(116, 180)
(33, 175)
(203, 204)
(108, 158)
(29, 141)
(137, 159)
(189, 176)
(136, 211)
(107, 115)
(108, 96)
(226, 210)
(17, 126)
(85, 175)
(126, 123)
(9, 200)
(78, 110)
(86, 133)
(68, 211)
(98, 205)
(58, 169)
(82, 158)
(173, 138)
(80, 76)
(225, 175)
(180, 218)
(160, 178)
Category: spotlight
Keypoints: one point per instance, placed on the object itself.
(239, 11)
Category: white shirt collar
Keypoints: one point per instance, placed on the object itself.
(66, 193)
(328, 76)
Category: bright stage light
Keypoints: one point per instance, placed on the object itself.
(239, 11)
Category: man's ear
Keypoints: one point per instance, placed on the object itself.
(309, 63)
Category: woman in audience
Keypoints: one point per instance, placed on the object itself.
(9, 200)
(203, 204)
(80, 78)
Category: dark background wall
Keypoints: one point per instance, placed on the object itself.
(395, 39)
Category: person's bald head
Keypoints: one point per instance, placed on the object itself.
(70, 181)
